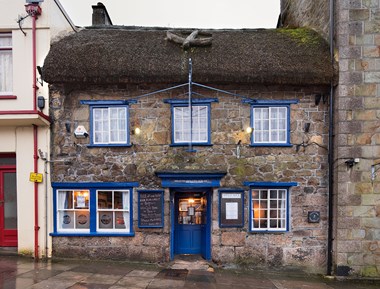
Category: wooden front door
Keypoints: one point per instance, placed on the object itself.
(8, 207)
(190, 232)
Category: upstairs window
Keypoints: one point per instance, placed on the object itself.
(191, 128)
(6, 64)
(109, 122)
(270, 121)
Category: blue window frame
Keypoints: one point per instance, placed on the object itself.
(269, 206)
(199, 133)
(270, 122)
(109, 122)
(91, 209)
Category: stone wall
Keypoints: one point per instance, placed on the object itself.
(357, 110)
(357, 129)
(305, 163)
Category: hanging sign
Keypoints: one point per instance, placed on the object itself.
(35, 177)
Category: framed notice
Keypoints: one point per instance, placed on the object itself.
(231, 208)
(151, 208)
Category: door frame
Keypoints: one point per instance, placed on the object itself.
(206, 247)
(5, 242)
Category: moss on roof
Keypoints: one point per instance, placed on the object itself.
(141, 55)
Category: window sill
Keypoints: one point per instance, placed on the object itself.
(108, 145)
(193, 144)
(8, 97)
(109, 234)
(272, 145)
(268, 232)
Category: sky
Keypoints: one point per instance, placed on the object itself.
(180, 14)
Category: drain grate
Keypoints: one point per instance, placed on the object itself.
(178, 274)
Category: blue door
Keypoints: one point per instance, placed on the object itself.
(191, 229)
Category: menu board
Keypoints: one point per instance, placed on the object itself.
(231, 207)
(151, 209)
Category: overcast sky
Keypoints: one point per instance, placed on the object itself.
(179, 13)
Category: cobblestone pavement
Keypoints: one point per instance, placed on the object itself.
(23, 273)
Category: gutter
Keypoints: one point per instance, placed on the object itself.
(330, 233)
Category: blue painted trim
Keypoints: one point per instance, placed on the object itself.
(271, 145)
(162, 206)
(58, 234)
(54, 209)
(193, 101)
(260, 185)
(208, 225)
(108, 102)
(198, 144)
(225, 190)
(108, 145)
(172, 224)
(92, 187)
(178, 184)
(190, 179)
(89, 185)
(185, 104)
(271, 102)
(270, 184)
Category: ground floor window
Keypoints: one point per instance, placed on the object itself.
(269, 206)
(93, 208)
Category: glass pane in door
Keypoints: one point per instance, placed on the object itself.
(10, 201)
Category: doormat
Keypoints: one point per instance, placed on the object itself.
(177, 274)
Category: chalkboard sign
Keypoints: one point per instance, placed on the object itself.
(231, 208)
(151, 209)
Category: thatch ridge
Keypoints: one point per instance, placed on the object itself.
(144, 55)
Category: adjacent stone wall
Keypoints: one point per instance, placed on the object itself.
(357, 136)
(305, 163)
(357, 110)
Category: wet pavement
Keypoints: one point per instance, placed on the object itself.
(23, 273)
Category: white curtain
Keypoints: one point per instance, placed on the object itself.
(6, 72)
(126, 209)
(62, 204)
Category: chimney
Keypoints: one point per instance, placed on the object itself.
(100, 15)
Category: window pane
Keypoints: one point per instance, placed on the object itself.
(6, 71)
(105, 220)
(82, 219)
(121, 219)
(66, 219)
(81, 199)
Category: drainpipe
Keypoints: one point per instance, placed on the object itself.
(330, 233)
(34, 10)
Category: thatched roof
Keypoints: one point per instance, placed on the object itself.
(138, 55)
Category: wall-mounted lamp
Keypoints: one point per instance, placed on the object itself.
(350, 163)
(248, 130)
(374, 169)
(41, 80)
(40, 102)
(307, 127)
(136, 131)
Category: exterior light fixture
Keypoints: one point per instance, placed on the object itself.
(248, 130)
(136, 131)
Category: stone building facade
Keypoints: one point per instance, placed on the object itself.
(305, 243)
(356, 249)
(253, 198)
